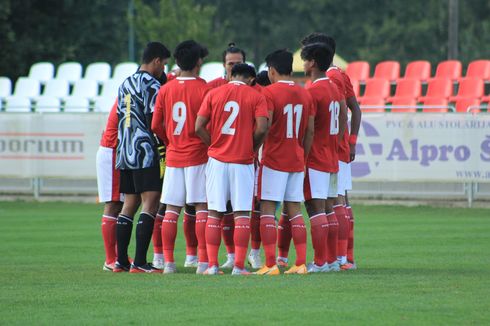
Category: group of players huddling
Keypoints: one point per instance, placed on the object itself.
(175, 141)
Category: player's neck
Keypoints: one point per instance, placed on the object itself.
(187, 73)
(147, 68)
(317, 74)
(283, 78)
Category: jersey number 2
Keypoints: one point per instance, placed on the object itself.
(234, 108)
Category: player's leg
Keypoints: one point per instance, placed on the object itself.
(227, 231)
(158, 258)
(341, 214)
(315, 192)
(284, 237)
(108, 226)
(217, 192)
(195, 184)
(189, 226)
(254, 258)
(350, 245)
(292, 201)
(241, 183)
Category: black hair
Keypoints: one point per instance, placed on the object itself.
(320, 52)
(233, 49)
(155, 50)
(263, 78)
(281, 60)
(244, 70)
(188, 53)
(319, 38)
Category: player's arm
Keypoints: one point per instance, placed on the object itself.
(342, 119)
(157, 125)
(261, 128)
(310, 132)
(201, 130)
(355, 124)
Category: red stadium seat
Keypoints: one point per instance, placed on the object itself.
(479, 69)
(440, 103)
(358, 70)
(376, 88)
(404, 101)
(388, 70)
(438, 88)
(451, 69)
(419, 70)
(373, 104)
(356, 87)
(462, 105)
(468, 88)
(406, 88)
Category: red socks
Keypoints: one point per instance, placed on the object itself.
(213, 239)
(298, 230)
(190, 234)
(284, 236)
(255, 230)
(350, 245)
(319, 233)
(169, 232)
(157, 235)
(268, 236)
(344, 227)
(201, 219)
(109, 236)
(241, 238)
(227, 230)
(332, 238)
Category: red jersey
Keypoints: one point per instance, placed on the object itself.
(109, 136)
(326, 105)
(283, 149)
(220, 81)
(345, 88)
(231, 110)
(175, 112)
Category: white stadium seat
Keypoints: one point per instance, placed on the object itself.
(42, 71)
(212, 70)
(104, 104)
(27, 87)
(98, 71)
(77, 104)
(85, 88)
(48, 104)
(17, 104)
(56, 88)
(109, 90)
(250, 63)
(124, 70)
(262, 67)
(5, 87)
(71, 71)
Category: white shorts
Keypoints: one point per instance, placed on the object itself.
(344, 178)
(280, 186)
(184, 185)
(229, 181)
(320, 185)
(107, 175)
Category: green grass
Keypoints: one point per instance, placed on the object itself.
(417, 265)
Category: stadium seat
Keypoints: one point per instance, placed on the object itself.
(375, 88)
(250, 63)
(479, 69)
(77, 104)
(449, 69)
(17, 104)
(5, 87)
(463, 104)
(373, 104)
(356, 87)
(70, 71)
(48, 104)
(56, 88)
(98, 71)
(435, 105)
(212, 70)
(85, 88)
(262, 67)
(104, 104)
(406, 89)
(42, 71)
(109, 89)
(469, 88)
(123, 70)
(27, 87)
(440, 88)
(358, 70)
(404, 104)
(387, 70)
(418, 70)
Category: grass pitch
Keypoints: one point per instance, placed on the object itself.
(416, 266)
